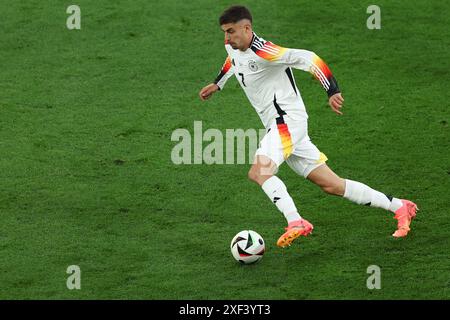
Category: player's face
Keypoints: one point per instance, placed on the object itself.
(237, 34)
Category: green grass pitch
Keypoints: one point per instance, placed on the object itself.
(86, 118)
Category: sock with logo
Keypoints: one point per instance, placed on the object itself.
(277, 192)
(363, 194)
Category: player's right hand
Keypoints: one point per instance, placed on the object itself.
(336, 101)
(207, 91)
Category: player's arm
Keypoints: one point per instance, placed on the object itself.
(225, 73)
(307, 61)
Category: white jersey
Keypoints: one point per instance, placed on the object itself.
(264, 72)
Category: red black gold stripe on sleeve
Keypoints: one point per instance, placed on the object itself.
(267, 50)
(225, 68)
(227, 65)
(322, 73)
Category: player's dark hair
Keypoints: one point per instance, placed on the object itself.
(234, 14)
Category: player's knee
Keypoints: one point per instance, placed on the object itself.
(253, 174)
(256, 174)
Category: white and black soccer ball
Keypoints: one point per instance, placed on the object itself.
(247, 247)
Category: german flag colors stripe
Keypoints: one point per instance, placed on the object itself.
(227, 65)
(286, 139)
(269, 51)
(321, 72)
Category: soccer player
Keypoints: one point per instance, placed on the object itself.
(264, 71)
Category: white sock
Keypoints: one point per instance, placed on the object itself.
(362, 194)
(277, 192)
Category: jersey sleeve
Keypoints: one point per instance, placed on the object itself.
(225, 73)
(301, 59)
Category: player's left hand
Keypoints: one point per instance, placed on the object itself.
(336, 101)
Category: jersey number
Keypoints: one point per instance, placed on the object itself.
(242, 79)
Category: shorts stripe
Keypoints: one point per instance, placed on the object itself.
(286, 139)
(323, 158)
(283, 130)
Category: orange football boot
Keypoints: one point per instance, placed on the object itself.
(404, 215)
(294, 230)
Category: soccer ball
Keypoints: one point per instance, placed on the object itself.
(247, 247)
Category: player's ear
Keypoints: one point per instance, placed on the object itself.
(248, 27)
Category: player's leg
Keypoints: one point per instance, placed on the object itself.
(262, 172)
(275, 147)
(360, 193)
